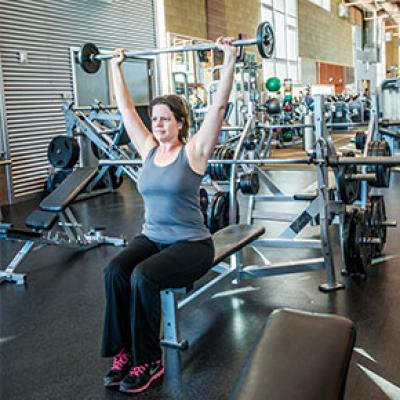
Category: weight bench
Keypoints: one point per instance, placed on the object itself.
(300, 356)
(227, 242)
(55, 207)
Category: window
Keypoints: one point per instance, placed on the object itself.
(326, 4)
(282, 14)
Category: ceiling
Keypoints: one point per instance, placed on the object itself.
(389, 9)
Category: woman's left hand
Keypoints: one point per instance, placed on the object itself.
(225, 44)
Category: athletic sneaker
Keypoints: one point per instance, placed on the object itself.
(122, 364)
(141, 376)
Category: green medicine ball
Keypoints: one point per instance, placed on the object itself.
(287, 99)
(273, 84)
(287, 136)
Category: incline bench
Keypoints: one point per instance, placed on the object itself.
(227, 242)
(55, 207)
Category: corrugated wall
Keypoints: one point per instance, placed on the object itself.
(33, 91)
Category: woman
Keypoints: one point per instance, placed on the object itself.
(175, 247)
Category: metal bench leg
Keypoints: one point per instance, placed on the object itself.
(8, 274)
(170, 323)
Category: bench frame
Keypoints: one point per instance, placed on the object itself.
(70, 234)
(170, 304)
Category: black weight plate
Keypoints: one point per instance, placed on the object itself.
(360, 139)
(348, 189)
(357, 256)
(63, 152)
(379, 148)
(55, 179)
(377, 218)
(265, 40)
(227, 154)
(249, 183)
(204, 203)
(212, 220)
(86, 60)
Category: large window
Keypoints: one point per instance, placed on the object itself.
(326, 4)
(282, 14)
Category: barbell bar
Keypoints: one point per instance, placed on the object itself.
(90, 57)
(334, 161)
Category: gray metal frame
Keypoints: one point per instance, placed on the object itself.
(71, 235)
(4, 147)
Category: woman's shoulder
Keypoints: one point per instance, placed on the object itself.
(150, 153)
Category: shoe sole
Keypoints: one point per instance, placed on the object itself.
(111, 384)
(143, 388)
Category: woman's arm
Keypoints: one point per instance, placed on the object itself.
(140, 136)
(203, 142)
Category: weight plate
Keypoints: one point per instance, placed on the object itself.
(54, 180)
(249, 183)
(377, 218)
(86, 60)
(357, 255)
(348, 189)
(204, 203)
(379, 148)
(265, 40)
(63, 152)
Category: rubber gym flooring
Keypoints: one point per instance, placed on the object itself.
(51, 328)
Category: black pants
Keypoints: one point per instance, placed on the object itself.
(133, 281)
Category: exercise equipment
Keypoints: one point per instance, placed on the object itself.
(90, 57)
(218, 212)
(63, 152)
(347, 186)
(55, 207)
(379, 148)
(227, 242)
(300, 355)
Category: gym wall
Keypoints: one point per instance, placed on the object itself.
(186, 17)
(212, 18)
(323, 36)
(35, 67)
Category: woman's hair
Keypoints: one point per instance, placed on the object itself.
(179, 108)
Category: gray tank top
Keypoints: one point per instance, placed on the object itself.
(171, 196)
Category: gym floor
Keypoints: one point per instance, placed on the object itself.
(51, 327)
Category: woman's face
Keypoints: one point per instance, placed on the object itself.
(165, 127)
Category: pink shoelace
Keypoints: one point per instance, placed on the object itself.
(136, 371)
(120, 360)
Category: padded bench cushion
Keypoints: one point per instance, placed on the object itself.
(301, 356)
(227, 241)
(69, 189)
(232, 238)
(41, 220)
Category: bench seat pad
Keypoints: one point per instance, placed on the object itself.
(232, 238)
(301, 356)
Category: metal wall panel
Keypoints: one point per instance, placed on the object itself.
(43, 32)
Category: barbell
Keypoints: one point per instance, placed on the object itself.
(90, 57)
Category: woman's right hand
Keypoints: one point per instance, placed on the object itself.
(118, 57)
